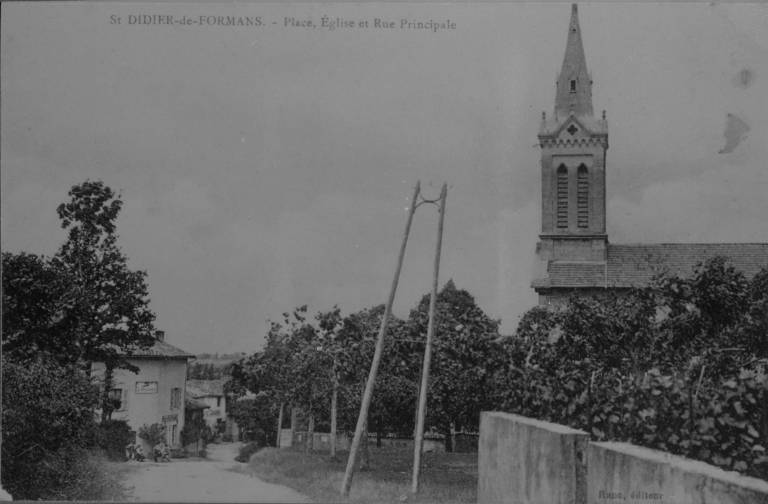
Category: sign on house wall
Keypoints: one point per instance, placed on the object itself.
(146, 387)
(214, 412)
(170, 418)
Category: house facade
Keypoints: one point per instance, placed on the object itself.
(156, 394)
(217, 414)
(573, 253)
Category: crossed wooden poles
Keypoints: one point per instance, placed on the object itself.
(422, 406)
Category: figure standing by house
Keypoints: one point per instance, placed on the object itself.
(129, 451)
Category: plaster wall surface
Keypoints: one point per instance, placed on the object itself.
(620, 472)
(526, 461)
(151, 408)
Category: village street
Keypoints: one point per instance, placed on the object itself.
(209, 480)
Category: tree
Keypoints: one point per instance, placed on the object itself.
(466, 355)
(257, 417)
(673, 366)
(107, 302)
(152, 434)
(35, 309)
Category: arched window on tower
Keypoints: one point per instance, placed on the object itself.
(582, 197)
(562, 197)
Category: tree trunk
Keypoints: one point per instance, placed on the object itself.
(334, 401)
(453, 436)
(279, 424)
(365, 453)
(311, 434)
(447, 434)
(106, 409)
(293, 423)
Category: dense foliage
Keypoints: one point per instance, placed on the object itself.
(112, 436)
(678, 366)
(47, 421)
(152, 434)
(201, 371)
(247, 450)
(195, 430)
(306, 363)
(60, 315)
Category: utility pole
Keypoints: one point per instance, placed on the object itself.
(419, 440)
(363, 417)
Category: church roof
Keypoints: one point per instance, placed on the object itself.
(636, 265)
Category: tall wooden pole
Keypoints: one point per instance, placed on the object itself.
(363, 417)
(279, 424)
(334, 403)
(418, 442)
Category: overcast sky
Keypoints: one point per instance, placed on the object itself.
(263, 168)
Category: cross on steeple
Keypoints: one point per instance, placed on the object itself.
(574, 84)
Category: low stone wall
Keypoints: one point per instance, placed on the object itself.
(527, 461)
(620, 472)
(406, 444)
(321, 441)
(521, 460)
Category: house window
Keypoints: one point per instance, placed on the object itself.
(120, 395)
(175, 398)
(582, 187)
(562, 197)
(218, 402)
(573, 85)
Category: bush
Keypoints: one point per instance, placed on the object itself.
(152, 434)
(195, 429)
(227, 438)
(47, 419)
(246, 451)
(112, 436)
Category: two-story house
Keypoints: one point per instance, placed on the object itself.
(156, 394)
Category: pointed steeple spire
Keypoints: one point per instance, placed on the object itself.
(574, 84)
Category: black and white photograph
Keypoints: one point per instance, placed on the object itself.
(384, 252)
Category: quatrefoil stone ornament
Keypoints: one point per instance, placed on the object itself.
(572, 129)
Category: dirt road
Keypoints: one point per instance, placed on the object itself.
(209, 480)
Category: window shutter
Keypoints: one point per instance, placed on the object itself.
(124, 400)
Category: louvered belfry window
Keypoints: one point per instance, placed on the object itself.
(582, 186)
(562, 197)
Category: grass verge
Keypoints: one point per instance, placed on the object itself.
(445, 477)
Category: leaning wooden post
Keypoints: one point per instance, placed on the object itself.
(334, 403)
(363, 417)
(428, 352)
(279, 424)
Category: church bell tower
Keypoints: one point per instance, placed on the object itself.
(573, 147)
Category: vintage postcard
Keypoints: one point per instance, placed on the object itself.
(265, 156)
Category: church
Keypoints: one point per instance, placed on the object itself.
(574, 253)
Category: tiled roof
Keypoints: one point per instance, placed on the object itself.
(205, 388)
(636, 265)
(194, 404)
(161, 350)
